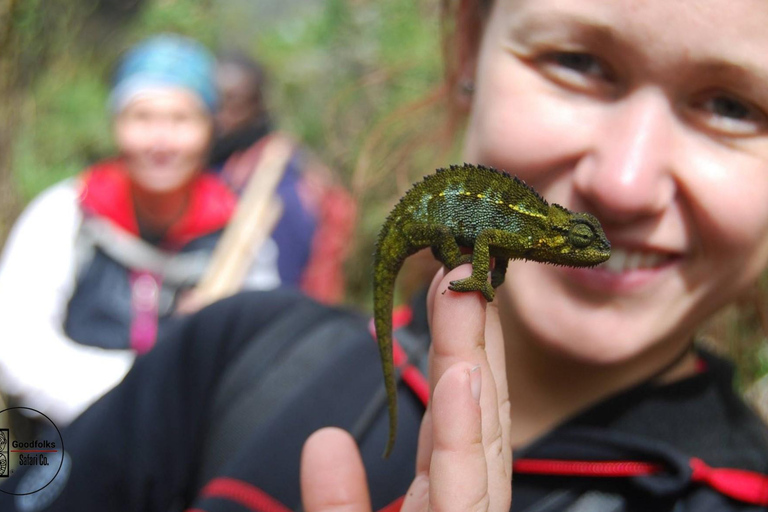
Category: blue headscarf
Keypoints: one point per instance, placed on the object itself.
(164, 61)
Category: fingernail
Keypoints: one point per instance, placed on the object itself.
(475, 381)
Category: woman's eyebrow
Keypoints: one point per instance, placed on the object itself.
(531, 25)
(732, 68)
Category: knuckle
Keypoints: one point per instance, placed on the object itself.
(480, 504)
(495, 446)
(505, 417)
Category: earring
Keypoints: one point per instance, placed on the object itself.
(467, 87)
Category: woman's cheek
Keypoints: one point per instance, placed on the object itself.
(194, 142)
(127, 138)
(730, 200)
(527, 138)
(738, 227)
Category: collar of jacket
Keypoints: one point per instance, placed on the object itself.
(105, 191)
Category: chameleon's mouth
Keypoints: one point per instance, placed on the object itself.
(624, 260)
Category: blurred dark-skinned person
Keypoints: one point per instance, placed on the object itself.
(318, 215)
(96, 265)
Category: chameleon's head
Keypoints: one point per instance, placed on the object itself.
(572, 239)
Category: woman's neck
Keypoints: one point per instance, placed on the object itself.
(546, 388)
(156, 213)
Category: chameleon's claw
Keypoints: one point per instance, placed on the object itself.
(470, 284)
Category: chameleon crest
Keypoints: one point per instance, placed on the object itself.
(496, 215)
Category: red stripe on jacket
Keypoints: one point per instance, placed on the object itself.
(410, 374)
(242, 493)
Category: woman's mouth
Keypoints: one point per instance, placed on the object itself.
(624, 260)
(626, 271)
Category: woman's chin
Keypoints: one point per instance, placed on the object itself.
(586, 345)
(592, 315)
(162, 181)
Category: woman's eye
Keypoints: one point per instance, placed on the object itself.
(730, 115)
(141, 116)
(180, 118)
(576, 69)
(729, 107)
(581, 62)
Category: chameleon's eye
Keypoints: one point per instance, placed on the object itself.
(581, 235)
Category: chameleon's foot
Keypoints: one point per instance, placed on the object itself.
(470, 284)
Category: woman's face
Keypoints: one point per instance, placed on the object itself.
(164, 137)
(652, 115)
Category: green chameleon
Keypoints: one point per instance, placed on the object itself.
(495, 214)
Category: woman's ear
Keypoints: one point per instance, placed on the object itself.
(469, 22)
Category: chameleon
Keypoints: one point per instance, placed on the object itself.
(497, 215)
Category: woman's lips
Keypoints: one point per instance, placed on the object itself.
(161, 159)
(624, 260)
(625, 271)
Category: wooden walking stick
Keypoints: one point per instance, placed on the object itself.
(256, 215)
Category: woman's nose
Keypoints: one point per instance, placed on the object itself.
(160, 134)
(629, 172)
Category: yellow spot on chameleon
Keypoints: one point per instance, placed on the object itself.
(480, 196)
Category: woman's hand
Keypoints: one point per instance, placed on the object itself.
(464, 458)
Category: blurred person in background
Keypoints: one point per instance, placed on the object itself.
(318, 216)
(96, 265)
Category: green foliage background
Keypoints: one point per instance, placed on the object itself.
(336, 70)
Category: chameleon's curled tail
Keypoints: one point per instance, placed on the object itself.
(385, 272)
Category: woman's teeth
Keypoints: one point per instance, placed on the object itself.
(622, 260)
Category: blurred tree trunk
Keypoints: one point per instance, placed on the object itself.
(9, 99)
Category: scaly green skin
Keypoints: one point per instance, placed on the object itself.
(493, 213)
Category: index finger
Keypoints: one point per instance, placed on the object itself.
(457, 324)
(465, 328)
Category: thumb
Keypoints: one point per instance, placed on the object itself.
(332, 474)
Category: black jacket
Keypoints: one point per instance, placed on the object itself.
(215, 416)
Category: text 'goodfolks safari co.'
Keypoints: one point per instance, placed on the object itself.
(33, 453)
